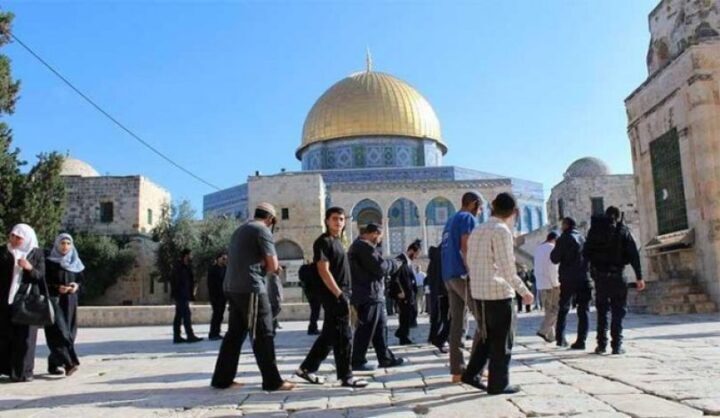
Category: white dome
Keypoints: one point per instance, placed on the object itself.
(587, 167)
(75, 167)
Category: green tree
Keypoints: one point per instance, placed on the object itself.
(106, 259)
(36, 198)
(176, 231)
(214, 236)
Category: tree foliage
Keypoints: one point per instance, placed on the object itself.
(106, 259)
(38, 197)
(175, 232)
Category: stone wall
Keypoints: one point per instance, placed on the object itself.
(684, 96)
(131, 197)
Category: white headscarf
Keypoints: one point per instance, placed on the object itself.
(70, 261)
(29, 243)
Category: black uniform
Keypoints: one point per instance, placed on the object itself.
(439, 305)
(182, 286)
(336, 331)
(607, 264)
(17, 342)
(215, 278)
(575, 286)
(61, 335)
(368, 297)
(404, 284)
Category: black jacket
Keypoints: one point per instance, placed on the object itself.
(7, 264)
(568, 253)
(215, 278)
(56, 276)
(434, 273)
(630, 254)
(405, 281)
(182, 285)
(368, 269)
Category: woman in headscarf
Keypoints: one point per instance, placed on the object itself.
(63, 272)
(22, 264)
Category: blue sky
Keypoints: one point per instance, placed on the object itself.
(522, 88)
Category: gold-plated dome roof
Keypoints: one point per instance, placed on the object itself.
(371, 103)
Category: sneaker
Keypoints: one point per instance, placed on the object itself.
(618, 351)
(398, 361)
(578, 345)
(509, 390)
(601, 349)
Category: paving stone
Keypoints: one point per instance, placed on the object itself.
(475, 406)
(559, 405)
(711, 406)
(359, 400)
(647, 406)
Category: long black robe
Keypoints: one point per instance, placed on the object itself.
(17, 342)
(60, 336)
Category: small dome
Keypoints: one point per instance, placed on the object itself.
(587, 167)
(75, 167)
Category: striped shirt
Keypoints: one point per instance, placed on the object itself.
(491, 261)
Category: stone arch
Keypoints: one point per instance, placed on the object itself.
(291, 256)
(403, 224)
(367, 211)
(288, 250)
(528, 218)
(439, 210)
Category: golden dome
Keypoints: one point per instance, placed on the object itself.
(371, 103)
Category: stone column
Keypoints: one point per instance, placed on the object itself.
(386, 241)
(423, 223)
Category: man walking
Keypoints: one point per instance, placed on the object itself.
(493, 284)
(575, 286)
(548, 284)
(182, 290)
(215, 279)
(334, 271)
(405, 294)
(609, 248)
(438, 306)
(368, 269)
(251, 256)
(454, 271)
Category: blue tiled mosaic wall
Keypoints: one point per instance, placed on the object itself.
(371, 152)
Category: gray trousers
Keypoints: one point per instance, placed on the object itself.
(457, 297)
(551, 304)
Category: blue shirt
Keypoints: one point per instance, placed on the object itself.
(462, 223)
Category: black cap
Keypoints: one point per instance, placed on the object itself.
(371, 228)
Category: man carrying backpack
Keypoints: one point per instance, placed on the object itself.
(609, 248)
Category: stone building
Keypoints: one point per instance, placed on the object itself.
(371, 144)
(674, 131)
(127, 206)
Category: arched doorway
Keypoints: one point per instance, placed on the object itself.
(437, 212)
(367, 211)
(404, 225)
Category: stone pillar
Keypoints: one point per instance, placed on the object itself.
(423, 222)
(386, 243)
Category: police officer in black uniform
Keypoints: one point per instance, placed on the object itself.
(609, 248)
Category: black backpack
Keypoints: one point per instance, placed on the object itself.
(309, 278)
(604, 243)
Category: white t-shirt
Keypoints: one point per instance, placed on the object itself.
(546, 273)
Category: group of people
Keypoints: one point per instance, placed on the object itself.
(25, 269)
(472, 270)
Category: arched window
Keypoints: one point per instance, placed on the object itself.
(438, 211)
(367, 211)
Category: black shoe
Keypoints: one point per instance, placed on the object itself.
(179, 340)
(194, 339)
(562, 343)
(544, 337)
(509, 390)
(367, 367)
(600, 349)
(313, 331)
(474, 382)
(618, 351)
(406, 341)
(215, 337)
(578, 345)
(55, 371)
(397, 361)
(443, 348)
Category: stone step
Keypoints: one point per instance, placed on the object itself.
(677, 308)
(649, 299)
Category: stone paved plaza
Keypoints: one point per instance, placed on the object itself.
(672, 369)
